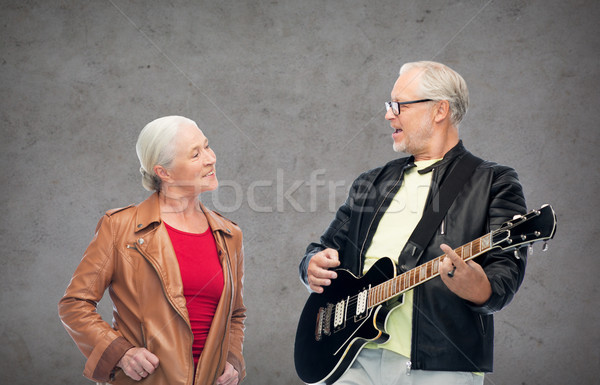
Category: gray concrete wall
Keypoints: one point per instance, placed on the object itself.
(289, 92)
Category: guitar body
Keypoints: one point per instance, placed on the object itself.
(324, 347)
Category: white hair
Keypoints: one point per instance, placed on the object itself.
(440, 82)
(155, 146)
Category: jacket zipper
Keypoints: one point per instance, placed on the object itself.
(161, 282)
(231, 285)
(164, 290)
(483, 331)
(416, 296)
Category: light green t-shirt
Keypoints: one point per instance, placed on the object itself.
(393, 231)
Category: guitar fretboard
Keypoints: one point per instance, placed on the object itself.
(414, 277)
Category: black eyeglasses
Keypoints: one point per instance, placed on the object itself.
(395, 106)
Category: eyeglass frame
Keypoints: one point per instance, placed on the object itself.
(389, 105)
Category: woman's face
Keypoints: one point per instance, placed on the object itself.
(193, 168)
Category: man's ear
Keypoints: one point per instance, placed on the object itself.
(442, 111)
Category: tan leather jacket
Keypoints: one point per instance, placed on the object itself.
(131, 255)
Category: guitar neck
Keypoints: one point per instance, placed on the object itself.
(422, 273)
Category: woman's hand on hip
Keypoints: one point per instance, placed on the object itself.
(229, 376)
(138, 363)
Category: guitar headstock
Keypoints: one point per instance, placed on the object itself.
(535, 226)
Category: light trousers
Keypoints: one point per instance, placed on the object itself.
(384, 367)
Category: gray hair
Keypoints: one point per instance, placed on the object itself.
(440, 82)
(155, 146)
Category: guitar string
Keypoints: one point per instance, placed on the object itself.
(412, 275)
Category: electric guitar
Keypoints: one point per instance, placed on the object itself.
(335, 325)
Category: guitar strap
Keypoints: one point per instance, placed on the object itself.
(436, 210)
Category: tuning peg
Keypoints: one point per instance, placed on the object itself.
(545, 246)
(530, 249)
(517, 254)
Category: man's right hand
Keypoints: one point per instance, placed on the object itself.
(318, 272)
(138, 363)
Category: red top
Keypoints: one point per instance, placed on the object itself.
(202, 277)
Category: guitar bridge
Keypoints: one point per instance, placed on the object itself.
(323, 322)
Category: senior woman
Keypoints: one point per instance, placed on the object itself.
(173, 270)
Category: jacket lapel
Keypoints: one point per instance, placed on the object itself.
(154, 244)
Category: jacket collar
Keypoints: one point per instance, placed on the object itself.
(448, 157)
(409, 162)
(216, 222)
(148, 213)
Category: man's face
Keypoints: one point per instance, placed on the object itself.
(413, 127)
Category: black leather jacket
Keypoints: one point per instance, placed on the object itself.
(448, 333)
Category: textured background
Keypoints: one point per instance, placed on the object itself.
(289, 92)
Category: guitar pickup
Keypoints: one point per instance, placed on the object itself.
(361, 304)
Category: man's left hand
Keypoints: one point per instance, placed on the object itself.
(468, 279)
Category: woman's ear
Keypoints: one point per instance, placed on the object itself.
(161, 172)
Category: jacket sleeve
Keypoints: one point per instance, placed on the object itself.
(505, 272)
(98, 341)
(335, 236)
(238, 318)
